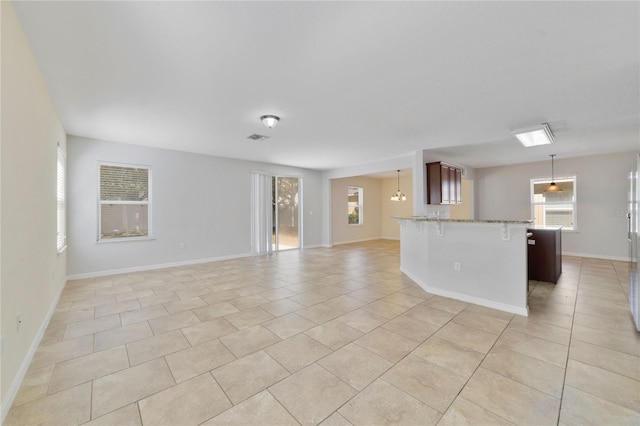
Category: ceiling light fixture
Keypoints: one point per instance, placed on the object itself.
(398, 196)
(270, 120)
(553, 187)
(534, 135)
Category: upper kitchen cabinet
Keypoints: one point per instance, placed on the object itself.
(444, 183)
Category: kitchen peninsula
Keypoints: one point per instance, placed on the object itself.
(477, 261)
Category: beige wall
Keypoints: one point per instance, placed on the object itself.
(32, 273)
(390, 228)
(463, 210)
(602, 186)
(341, 231)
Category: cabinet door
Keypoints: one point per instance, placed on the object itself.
(453, 188)
(445, 184)
(434, 185)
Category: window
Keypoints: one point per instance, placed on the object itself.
(125, 201)
(61, 227)
(554, 208)
(354, 204)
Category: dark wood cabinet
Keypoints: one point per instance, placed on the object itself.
(458, 172)
(545, 254)
(444, 183)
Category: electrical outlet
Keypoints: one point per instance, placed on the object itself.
(457, 266)
(183, 246)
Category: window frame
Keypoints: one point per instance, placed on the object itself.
(573, 202)
(61, 199)
(148, 203)
(360, 205)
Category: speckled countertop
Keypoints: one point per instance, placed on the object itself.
(545, 228)
(435, 219)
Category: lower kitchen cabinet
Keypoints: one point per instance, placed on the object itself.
(545, 254)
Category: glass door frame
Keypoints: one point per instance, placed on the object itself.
(276, 222)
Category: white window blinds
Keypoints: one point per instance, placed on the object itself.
(125, 201)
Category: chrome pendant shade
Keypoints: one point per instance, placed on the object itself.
(553, 187)
(398, 196)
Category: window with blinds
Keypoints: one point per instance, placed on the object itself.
(554, 208)
(125, 201)
(61, 227)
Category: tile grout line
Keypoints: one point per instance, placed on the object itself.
(393, 365)
(566, 368)
(476, 369)
(595, 366)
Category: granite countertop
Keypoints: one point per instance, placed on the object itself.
(545, 228)
(435, 219)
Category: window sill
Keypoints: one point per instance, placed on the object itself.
(124, 240)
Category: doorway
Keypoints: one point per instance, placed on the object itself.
(276, 213)
(286, 213)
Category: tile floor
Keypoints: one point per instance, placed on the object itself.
(335, 337)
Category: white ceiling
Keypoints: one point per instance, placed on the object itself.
(353, 82)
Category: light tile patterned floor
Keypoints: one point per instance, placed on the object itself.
(332, 336)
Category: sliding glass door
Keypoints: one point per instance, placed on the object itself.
(276, 206)
(286, 213)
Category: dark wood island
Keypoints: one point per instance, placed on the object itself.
(545, 253)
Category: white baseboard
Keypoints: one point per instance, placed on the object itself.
(313, 246)
(596, 256)
(471, 299)
(7, 400)
(355, 241)
(151, 267)
(390, 238)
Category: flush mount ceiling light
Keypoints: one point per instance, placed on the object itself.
(270, 120)
(534, 135)
(398, 196)
(553, 187)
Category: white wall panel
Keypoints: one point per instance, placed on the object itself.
(199, 200)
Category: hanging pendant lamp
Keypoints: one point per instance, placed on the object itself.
(398, 196)
(553, 187)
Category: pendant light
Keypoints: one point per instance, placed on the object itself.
(398, 196)
(553, 187)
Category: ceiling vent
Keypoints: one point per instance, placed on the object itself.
(257, 137)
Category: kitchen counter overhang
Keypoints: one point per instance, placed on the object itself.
(477, 261)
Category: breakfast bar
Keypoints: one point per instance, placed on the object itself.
(477, 261)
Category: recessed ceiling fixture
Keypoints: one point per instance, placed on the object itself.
(270, 120)
(553, 187)
(534, 135)
(398, 196)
